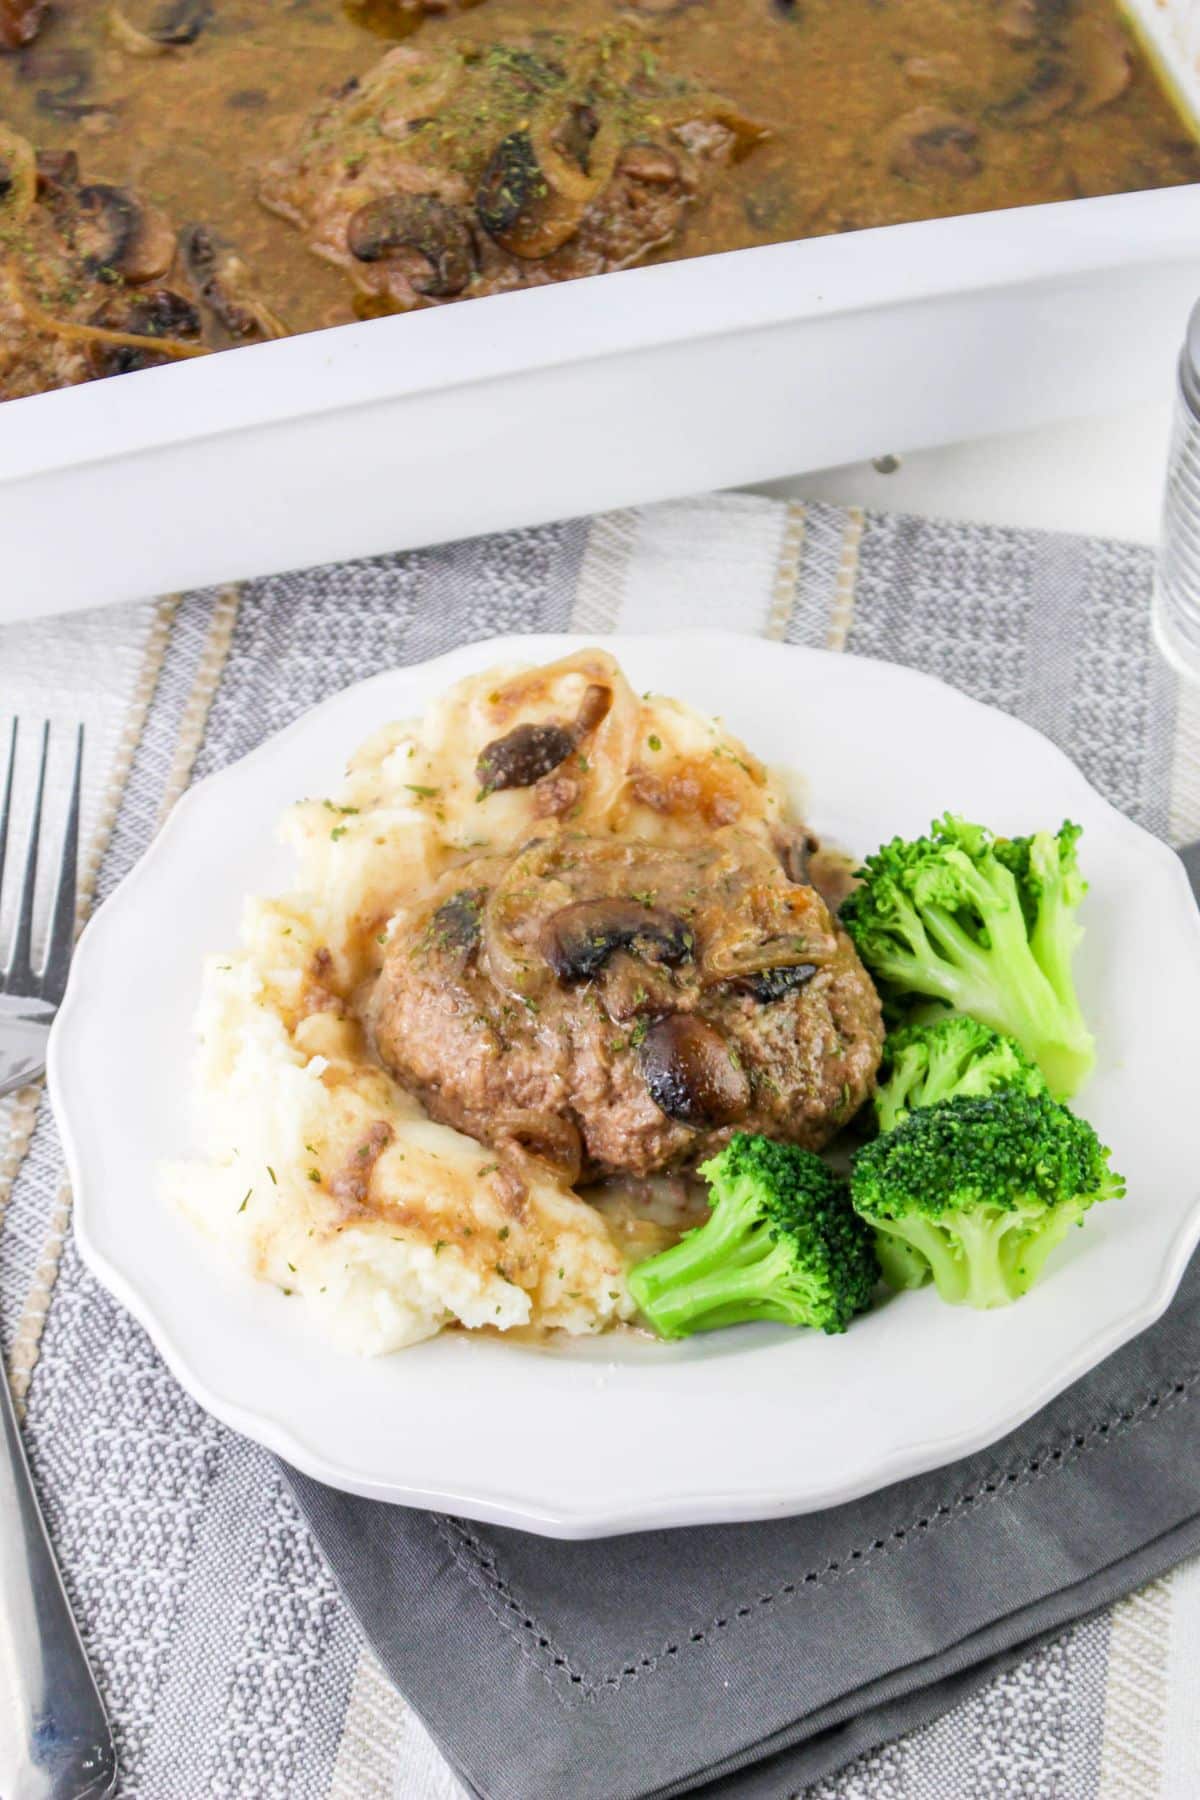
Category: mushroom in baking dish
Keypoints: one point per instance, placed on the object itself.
(119, 232)
(538, 185)
(224, 286)
(433, 237)
(929, 141)
(155, 27)
(1103, 63)
(147, 313)
(1050, 89)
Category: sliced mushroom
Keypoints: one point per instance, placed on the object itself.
(929, 142)
(223, 283)
(769, 985)
(18, 177)
(594, 708)
(1050, 90)
(511, 185)
(578, 940)
(691, 1074)
(528, 753)
(435, 235)
(20, 22)
(522, 756)
(533, 195)
(154, 27)
(153, 313)
(118, 234)
(65, 75)
(1103, 63)
(796, 848)
(458, 922)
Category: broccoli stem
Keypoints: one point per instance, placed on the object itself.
(978, 1258)
(729, 1295)
(1024, 1000)
(728, 1262)
(902, 1265)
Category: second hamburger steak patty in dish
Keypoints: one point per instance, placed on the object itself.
(621, 1008)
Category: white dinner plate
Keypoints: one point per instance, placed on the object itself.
(620, 1433)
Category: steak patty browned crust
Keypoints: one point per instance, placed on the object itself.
(622, 1008)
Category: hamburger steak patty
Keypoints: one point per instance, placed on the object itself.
(622, 1008)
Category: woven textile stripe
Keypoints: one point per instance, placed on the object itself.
(227, 1659)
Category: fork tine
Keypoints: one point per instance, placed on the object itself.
(19, 975)
(6, 804)
(61, 940)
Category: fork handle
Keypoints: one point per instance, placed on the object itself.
(55, 1741)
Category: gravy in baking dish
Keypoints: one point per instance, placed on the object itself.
(183, 175)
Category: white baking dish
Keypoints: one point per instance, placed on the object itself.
(660, 381)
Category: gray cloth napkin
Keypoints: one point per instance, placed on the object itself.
(229, 1664)
(751, 1660)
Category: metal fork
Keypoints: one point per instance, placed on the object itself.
(55, 1741)
(29, 999)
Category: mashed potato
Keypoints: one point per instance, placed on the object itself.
(320, 1174)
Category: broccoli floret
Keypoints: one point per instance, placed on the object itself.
(986, 925)
(982, 1189)
(782, 1243)
(949, 1057)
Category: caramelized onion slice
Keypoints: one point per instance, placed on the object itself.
(514, 965)
(609, 726)
(18, 177)
(544, 1137)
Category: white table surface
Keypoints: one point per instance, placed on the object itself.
(1099, 476)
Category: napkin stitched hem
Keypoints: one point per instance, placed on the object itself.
(535, 1643)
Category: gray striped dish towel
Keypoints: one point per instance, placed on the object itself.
(959, 1637)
